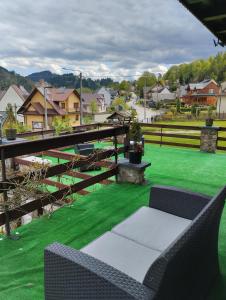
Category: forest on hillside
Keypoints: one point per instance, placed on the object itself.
(7, 78)
(71, 81)
(198, 70)
(212, 68)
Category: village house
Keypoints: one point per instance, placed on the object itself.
(60, 102)
(15, 95)
(93, 103)
(221, 103)
(107, 95)
(201, 93)
(158, 93)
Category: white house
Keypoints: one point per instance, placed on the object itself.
(221, 101)
(107, 95)
(163, 94)
(88, 98)
(14, 95)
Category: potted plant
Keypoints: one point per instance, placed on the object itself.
(136, 145)
(10, 130)
(209, 119)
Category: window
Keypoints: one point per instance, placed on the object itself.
(211, 91)
(62, 105)
(37, 125)
(76, 117)
(76, 106)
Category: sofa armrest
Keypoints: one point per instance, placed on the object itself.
(178, 202)
(72, 274)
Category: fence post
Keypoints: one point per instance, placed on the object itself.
(116, 154)
(5, 198)
(208, 139)
(161, 138)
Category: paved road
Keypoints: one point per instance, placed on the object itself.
(150, 113)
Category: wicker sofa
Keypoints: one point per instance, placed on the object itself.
(167, 251)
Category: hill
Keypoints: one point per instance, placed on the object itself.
(70, 80)
(7, 78)
(198, 70)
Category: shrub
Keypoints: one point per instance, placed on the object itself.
(60, 124)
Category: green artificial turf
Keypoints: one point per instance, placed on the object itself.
(21, 261)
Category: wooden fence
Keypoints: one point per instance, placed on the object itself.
(12, 151)
(170, 131)
(161, 134)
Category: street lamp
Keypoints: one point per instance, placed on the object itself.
(80, 78)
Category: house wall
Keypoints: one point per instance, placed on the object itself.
(107, 95)
(33, 118)
(11, 97)
(70, 102)
(221, 105)
(38, 97)
(69, 107)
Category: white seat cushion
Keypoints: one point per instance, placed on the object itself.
(152, 228)
(123, 254)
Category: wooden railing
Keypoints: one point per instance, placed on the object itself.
(11, 151)
(161, 133)
(43, 133)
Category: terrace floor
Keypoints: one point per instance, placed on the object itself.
(21, 261)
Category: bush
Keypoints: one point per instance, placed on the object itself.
(60, 124)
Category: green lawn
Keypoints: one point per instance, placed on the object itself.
(21, 261)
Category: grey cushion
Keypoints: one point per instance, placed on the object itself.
(123, 254)
(152, 228)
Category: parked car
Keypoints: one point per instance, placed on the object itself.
(152, 104)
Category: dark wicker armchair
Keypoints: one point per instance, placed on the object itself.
(175, 256)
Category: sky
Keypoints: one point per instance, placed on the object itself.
(100, 37)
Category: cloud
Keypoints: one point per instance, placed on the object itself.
(99, 36)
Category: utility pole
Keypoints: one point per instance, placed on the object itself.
(219, 98)
(145, 93)
(46, 115)
(46, 111)
(81, 106)
(80, 79)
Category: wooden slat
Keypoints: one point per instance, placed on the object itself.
(172, 144)
(60, 185)
(61, 168)
(86, 176)
(43, 201)
(221, 148)
(194, 137)
(171, 126)
(221, 138)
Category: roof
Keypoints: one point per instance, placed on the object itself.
(89, 97)
(125, 115)
(53, 95)
(41, 110)
(2, 93)
(56, 94)
(21, 91)
(200, 85)
(212, 13)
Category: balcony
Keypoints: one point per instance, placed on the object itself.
(91, 215)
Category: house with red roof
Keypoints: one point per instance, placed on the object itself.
(57, 101)
(201, 93)
(15, 95)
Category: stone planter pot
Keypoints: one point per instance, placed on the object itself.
(135, 157)
(209, 122)
(10, 134)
